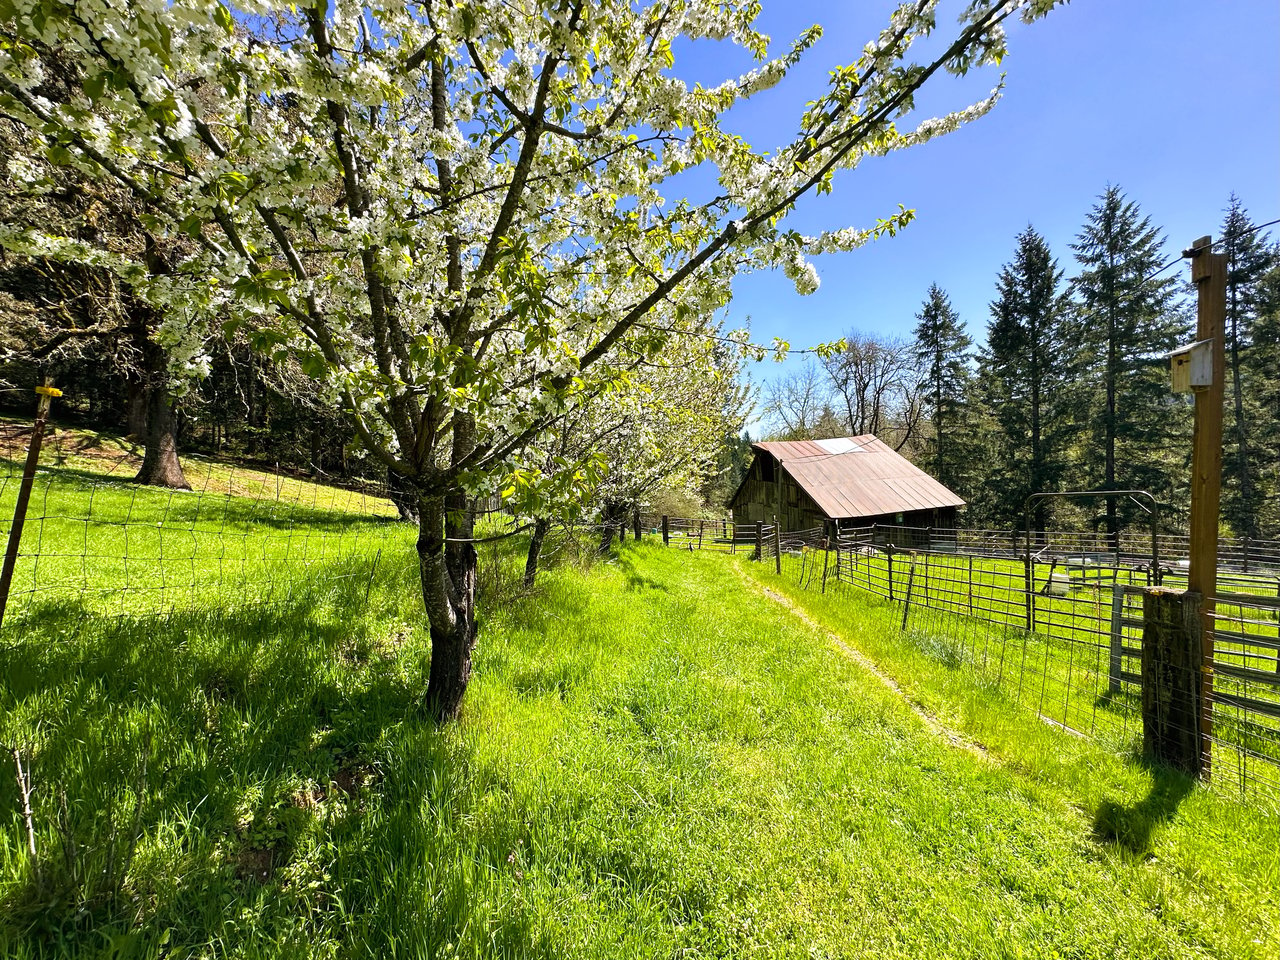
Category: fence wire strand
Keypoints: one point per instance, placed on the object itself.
(1060, 634)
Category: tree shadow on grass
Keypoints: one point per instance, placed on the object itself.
(635, 579)
(227, 736)
(1131, 826)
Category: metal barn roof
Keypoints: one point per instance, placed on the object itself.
(859, 477)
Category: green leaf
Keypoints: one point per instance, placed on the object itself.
(222, 17)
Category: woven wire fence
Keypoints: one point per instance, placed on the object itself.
(97, 546)
(1058, 628)
(1063, 634)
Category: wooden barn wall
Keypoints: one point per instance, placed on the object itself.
(757, 501)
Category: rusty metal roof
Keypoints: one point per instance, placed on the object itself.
(859, 477)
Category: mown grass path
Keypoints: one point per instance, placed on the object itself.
(656, 760)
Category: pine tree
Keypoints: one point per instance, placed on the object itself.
(1131, 423)
(1263, 369)
(942, 352)
(1024, 372)
(1248, 259)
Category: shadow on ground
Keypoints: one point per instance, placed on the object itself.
(1131, 826)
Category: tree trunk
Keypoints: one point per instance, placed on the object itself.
(540, 528)
(613, 518)
(160, 464)
(448, 566)
(635, 522)
(400, 494)
(136, 410)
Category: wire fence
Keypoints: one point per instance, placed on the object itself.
(97, 546)
(1060, 629)
(718, 534)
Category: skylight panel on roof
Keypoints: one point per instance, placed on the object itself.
(839, 445)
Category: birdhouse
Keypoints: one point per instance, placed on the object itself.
(1191, 367)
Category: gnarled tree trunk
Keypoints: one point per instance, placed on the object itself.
(540, 528)
(136, 410)
(160, 464)
(448, 566)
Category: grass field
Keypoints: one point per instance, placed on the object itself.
(973, 610)
(657, 759)
(94, 544)
(95, 455)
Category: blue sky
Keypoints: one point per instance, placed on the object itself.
(1177, 102)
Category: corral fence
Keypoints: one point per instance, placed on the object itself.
(759, 540)
(1073, 629)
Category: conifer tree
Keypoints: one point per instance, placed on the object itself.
(1127, 323)
(1024, 373)
(942, 352)
(1262, 366)
(1248, 259)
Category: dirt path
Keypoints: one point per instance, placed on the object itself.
(932, 723)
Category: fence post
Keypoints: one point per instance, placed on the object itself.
(971, 584)
(906, 605)
(777, 546)
(759, 540)
(1172, 681)
(701, 524)
(1209, 274)
(666, 531)
(47, 393)
(1116, 663)
(826, 559)
(888, 552)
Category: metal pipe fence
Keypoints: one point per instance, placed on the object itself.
(1067, 639)
(1060, 630)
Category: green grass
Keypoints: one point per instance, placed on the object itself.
(976, 606)
(655, 759)
(93, 544)
(92, 454)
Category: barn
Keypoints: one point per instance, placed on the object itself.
(844, 481)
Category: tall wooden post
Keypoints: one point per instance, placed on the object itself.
(1209, 274)
(47, 393)
(759, 540)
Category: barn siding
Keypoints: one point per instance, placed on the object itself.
(757, 500)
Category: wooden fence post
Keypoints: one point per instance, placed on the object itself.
(1172, 680)
(1116, 663)
(777, 546)
(1209, 274)
(47, 393)
(759, 540)
(666, 531)
(906, 604)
